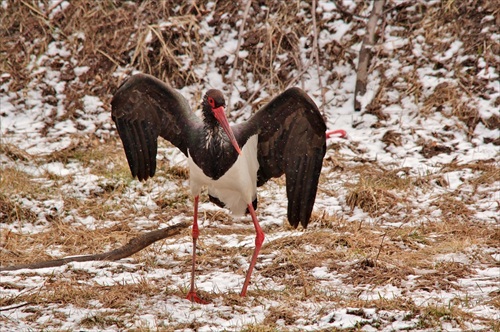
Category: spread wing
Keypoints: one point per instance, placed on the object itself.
(144, 108)
(291, 141)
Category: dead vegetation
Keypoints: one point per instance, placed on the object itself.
(399, 236)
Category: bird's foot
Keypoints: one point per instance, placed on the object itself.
(194, 298)
(339, 132)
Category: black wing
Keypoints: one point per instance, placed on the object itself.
(292, 141)
(144, 108)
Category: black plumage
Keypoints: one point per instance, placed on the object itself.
(291, 141)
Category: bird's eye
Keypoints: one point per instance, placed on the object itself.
(211, 101)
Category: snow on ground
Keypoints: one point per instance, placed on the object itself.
(23, 114)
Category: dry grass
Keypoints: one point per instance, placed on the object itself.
(376, 191)
(363, 255)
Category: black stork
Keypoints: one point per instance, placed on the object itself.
(287, 136)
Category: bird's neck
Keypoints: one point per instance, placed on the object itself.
(214, 136)
(215, 154)
(208, 117)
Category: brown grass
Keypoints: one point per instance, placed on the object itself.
(11, 211)
(376, 192)
(363, 255)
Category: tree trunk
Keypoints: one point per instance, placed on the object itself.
(365, 53)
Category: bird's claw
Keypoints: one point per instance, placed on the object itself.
(193, 297)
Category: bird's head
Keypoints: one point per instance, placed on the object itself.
(214, 107)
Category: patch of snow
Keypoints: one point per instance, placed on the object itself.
(453, 258)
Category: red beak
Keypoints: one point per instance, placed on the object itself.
(220, 115)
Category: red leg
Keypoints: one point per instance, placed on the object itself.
(259, 239)
(196, 232)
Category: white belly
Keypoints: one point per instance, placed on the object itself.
(238, 187)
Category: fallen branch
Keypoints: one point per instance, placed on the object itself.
(134, 245)
(365, 53)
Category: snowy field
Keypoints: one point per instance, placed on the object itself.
(405, 230)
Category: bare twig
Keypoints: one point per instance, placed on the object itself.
(109, 57)
(366, 52)
(344, 11)
(34, 9)
(54, 6)
(316, 56)
(300, 74)
(133, 246)
(235, 63)
(16, 306)
(247, 102)
(379, 249)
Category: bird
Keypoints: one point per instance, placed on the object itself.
(286, 136)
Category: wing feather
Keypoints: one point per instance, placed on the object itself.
(292, 142)
(144, 108)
